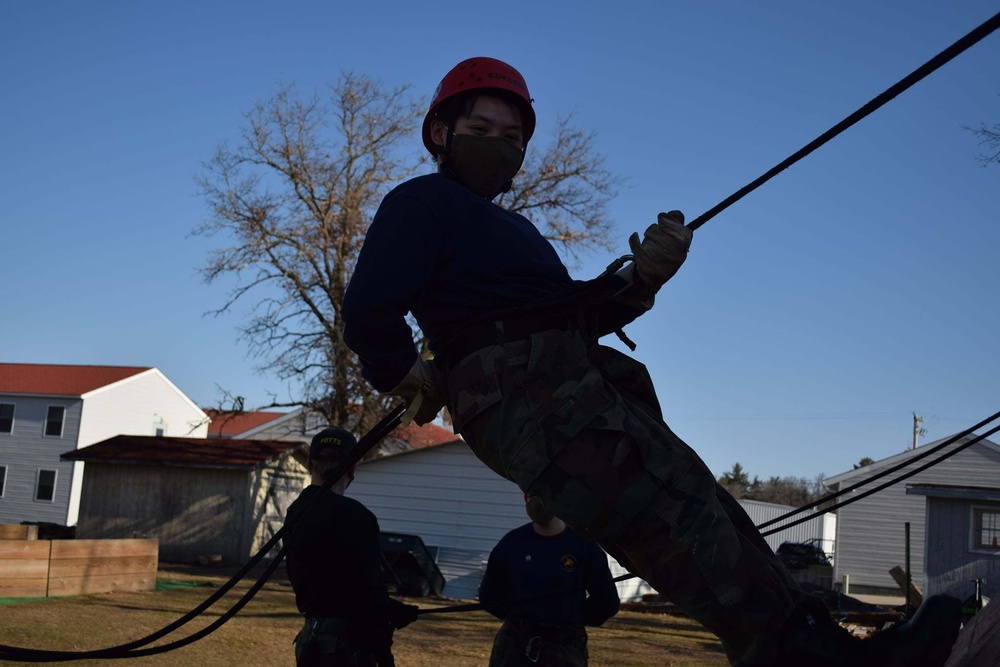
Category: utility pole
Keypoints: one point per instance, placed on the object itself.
(917, 431)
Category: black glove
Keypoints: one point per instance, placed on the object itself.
(401, 615)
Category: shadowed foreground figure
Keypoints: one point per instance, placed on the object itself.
(334, 565)
(563, 583)
(542, 403)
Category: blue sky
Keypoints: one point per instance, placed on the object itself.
(810, 321)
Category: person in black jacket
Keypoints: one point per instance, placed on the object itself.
(546, 582)
(519, 364)
(334, 565)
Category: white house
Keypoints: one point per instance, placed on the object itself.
(871, 532)
(47, 409)
(461, 509)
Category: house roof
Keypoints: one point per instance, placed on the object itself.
(904, 456)
(59, 379)
(422, 437)
(212, 452)
(233, 423)
(409, 438)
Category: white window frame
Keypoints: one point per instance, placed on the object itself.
(974, 545)
(13, 414)
(3, 480)
(38, 481)
(62, 423)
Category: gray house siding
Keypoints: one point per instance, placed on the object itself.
(871, 532)
(951, 562)
(26, 450)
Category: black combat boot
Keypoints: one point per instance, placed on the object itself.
(926, 639)
(810, 641)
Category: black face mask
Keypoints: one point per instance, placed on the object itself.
(486, 165)
(537, 512)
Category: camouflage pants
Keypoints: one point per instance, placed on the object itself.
(327, 642)
(520, 647)
(580, 426)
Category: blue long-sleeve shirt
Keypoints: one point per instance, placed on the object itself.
(438, 250)
(525, 564)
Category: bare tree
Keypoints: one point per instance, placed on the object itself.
(565, 191)
(294, 198)
(990, 138)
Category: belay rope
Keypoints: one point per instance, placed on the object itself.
(392, 419)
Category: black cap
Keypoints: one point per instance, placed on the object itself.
(331, 444)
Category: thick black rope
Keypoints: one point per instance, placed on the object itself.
(916, 75)
(881, 487)
(885, 473)
(32, 655)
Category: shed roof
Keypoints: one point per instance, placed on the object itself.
(60, 379)
(213, 452)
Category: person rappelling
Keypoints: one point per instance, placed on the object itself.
(518, 363)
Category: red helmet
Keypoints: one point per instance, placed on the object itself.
(481, 74)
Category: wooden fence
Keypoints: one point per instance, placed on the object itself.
(17, 532)
(50, 568)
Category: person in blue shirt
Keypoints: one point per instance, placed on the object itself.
(518, 362)
(546, 583)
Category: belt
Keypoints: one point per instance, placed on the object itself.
(546, 630)
(497, 332)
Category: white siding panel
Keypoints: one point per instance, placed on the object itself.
(444, 494)
(462, 570)
(870, 532)
(135, 406)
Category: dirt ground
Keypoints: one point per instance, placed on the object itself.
(261, 634)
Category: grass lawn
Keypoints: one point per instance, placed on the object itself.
(262, 633)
